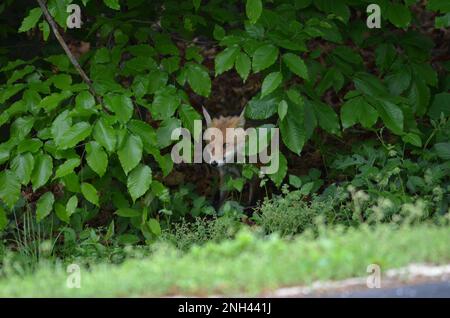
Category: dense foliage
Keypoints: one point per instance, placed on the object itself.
(75, 157)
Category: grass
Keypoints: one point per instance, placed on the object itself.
(247, 264)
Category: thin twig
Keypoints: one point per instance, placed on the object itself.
(66, 49)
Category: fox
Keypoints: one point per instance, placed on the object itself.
(221, 152)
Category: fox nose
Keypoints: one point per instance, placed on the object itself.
(214, 163)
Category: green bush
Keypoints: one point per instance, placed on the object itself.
(97, 156)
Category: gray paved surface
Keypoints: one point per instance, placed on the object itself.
(426, 290)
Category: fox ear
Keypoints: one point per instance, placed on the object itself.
(242, 118)
(207, 116)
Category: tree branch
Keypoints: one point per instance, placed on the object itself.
(72, 58)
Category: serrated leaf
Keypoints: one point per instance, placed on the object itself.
(358, 110)
(22, 165)
(43, 169)
(96, 158)
(130, 154)
(165, 103)
(225, 60)
(75, 134)
(67, 167)
(292, 128)
(90, 193)
(296, 65)
(188, 115)
(121, 105)
(327, 118)
(391, 115)
(139, 181)
(105, 135)
(264, 57)
(44, 206)
(260, 108)
(9, 188)
(199, 80)
(31, 20)
(243, 65)
(271, 83)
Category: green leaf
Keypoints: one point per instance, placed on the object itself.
(90, 193)
(282, 109)
(399, 15)
(62, 213)
(198, 78)
(358, 110)
(29, 145)
(225, 60)
(3, 219)
(271, 83)
(42, 171)
(165, 103)
(130, 154)
(243, 65)
(113, 4)
(188, 115)
(62, 81)
(292, 128)
(295, 181)
(128, 213)
(154, 226)
(105, 135)
(413, 139)
(296, 65)
(96, 158)
(121, 105)
(52, 101)
(139, 181)
(71, 205)
(145, 132)
(196, 4)
(44, 206)
(327, 118)
(75, 134)
(218, 33)
(253, 9)
(385, 55)
(22, 165)
(443, 150)
(9, 188)
(260, 108)
(84, 100)
(31, 20)
(391, 115)
(21, 127)
(165, 130)
(264, 57)
(279, 176)
(441, 105)
(67, 168)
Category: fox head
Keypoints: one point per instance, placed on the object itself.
(227, 138)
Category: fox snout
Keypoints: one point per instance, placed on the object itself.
(227, 140)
